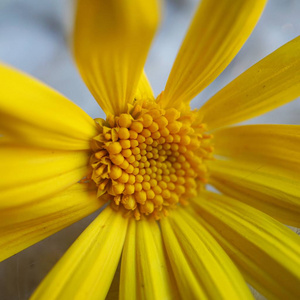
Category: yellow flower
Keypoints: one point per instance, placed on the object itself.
(150, 162)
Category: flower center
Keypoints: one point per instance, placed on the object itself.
(149, 160)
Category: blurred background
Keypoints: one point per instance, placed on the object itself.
(34, 37)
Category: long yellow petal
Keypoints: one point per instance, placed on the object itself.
(278, 143)
(128, 285)
(28, 193)
(87, 268)
(188, 284)
(111, 41)
(24, 165)
(34, 114)
(201, 267)
(267, 252)
(145, 273)
(216, 34)
(272, 190)
(152, 271)
(28, 174)
(260, 201)
(23, 226)
(272, 82)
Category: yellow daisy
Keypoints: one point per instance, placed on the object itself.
(148, 165)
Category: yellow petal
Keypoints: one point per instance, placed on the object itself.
(272, 190)
(34, 114)
(28, 193)
(217, 32)
(272, 82)
(111, 41)
(23, 226)
(201, 267)
(128, 285)
(267, 252)
(24, 165)
(87, 268)
(28, 174)
(152, 271)
(279, 144)
(144, 89)
(145, 273)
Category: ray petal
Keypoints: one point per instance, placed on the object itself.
(111, 42)
(267, 252)
(88, 267)
(270, 83)
(218, 31)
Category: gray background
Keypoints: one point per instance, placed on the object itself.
(33, 38)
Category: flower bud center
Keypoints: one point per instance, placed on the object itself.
(150, 160)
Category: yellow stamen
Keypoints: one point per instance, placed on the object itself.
(151, 160)
(114, 148)
(125, 120)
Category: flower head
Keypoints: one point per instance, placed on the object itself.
(150, 159)
(150, 162)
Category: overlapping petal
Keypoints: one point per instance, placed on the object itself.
(87, 268)
(279, 144)
(144, 90)
(23, 226)
(201, 267)
(144, 261)
(30, 173)
(270, 83)
(267, 252)
(111, 42)
(217, 32)
(34, 114)
(274, 191)
(128, 288)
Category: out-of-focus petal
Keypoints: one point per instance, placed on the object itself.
(274, 191)
(23, 226)
(31, 173)
(267, 252)
(217, 32)
(201, 267)
(111, 42)
(36, 115)
(279, 144)
(144, 90)
(88, 267)
(270, 83)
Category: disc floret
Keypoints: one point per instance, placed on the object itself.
(149, 160)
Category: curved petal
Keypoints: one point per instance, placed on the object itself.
(216, 34)
(23, 226)
(260, 201)
(111, 41)
(201, 267)
(267, 252)
(29, 193)
(270, 83)
(279, 144)
(34, 114)
(272, 190)
(145, 273)
(25, 165)
(28, 174)
(87, 268)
